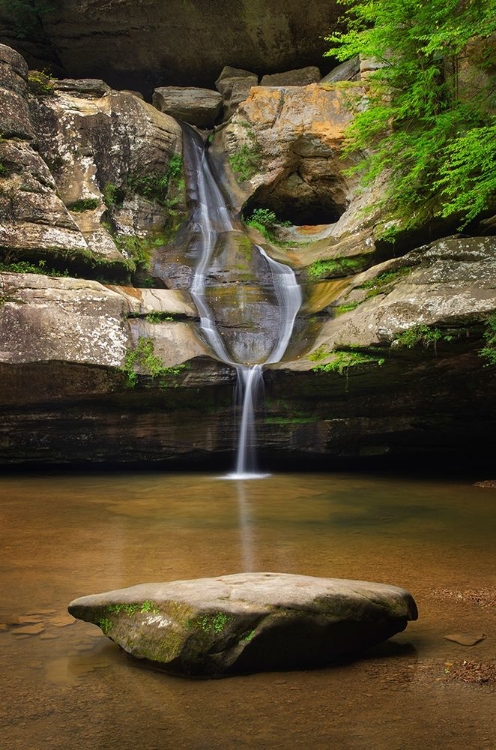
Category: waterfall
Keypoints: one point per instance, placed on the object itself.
(210, 219)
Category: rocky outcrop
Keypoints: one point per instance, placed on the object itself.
(45, 319)
(299, 77)
(14, 112)
(248, 622)
(148, 44)
(297, 133)
(96, 181)
(234, 85)
(447, 286)
(347, 71)
(199, 107)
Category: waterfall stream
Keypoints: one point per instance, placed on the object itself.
(210, 220)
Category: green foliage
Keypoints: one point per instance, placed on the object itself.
(343, 360)
(148, 606)
(158, 317)
(40, 83)
(266, 222)
(144, 358)
(138, 249)
(421, 334)
(246, 161)
(3, 170)
(348, 307)
(129, 609)
(24, 266)
(157, 187)
(318, 354)
(85, 204)
(105, 625)
(335, 267)
(468, 173)
(489, 351)
(112, 195)
(433, 139)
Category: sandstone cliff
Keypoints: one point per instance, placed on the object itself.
(101, 356)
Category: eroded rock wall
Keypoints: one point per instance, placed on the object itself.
(385, 358)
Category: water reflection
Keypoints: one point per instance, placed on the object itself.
(246, 534)
(66, 536)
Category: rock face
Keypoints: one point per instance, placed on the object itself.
(248, 622)
(300, 77)
(298, 133)
(234, 85)
(79, 164)
(385, 360)
(200, 107)
(145, 44)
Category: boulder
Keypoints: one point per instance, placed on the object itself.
(248, 622)
(234, 84)
(299, 77)
(347, 71)
(14, 110)
(200, 107)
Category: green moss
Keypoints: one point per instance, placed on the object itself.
(158, 187)
(3, 170)
(348, 307)
(40, 83)
(318, 354)
(488, 352)
(425, 335)
(381, 284)
(158, 317)
(211, 623)
(23, 266)
(129, 609)
(246, 161)
(105, 625)
(144, 358)
(335, 268)
(149, 606)
(343, 360)
(85, 204)
(113, 195)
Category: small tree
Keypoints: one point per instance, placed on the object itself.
(436, 142)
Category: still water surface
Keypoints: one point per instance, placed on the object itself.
(69, 535)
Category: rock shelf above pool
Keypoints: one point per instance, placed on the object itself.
(248, 622)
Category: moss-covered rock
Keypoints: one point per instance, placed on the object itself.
(248, 622)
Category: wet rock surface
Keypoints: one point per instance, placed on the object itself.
(248, 622)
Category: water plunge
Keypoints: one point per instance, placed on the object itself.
(212, 228)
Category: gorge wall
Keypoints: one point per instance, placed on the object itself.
(101, 356)
(141, 45)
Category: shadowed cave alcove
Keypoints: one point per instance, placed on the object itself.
(301, 200)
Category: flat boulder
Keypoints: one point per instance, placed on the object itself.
(248, 622)
(300, 77)
(200, 107)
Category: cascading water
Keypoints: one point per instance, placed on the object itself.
(210, 220)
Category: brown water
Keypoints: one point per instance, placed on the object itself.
(70, 687)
